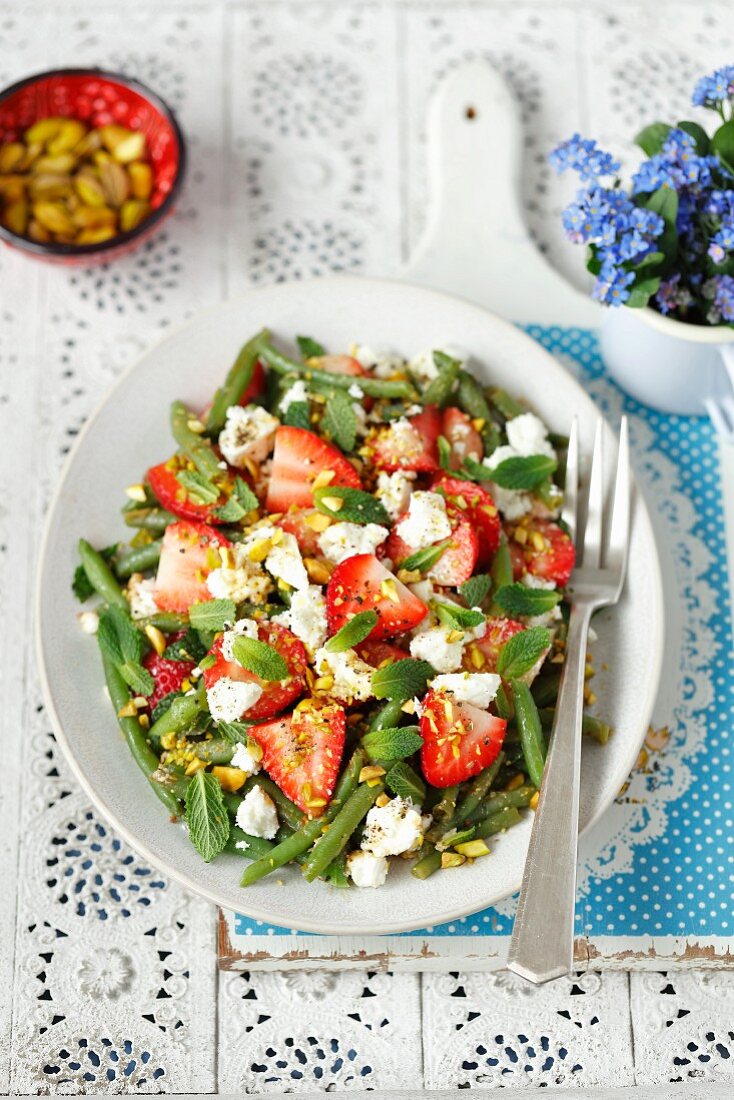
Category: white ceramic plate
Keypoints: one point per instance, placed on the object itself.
(129, 432)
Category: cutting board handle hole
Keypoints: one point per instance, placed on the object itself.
(470, 113)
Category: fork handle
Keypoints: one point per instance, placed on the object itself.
(542, 938)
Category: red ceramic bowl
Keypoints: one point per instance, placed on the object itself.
(98, 98)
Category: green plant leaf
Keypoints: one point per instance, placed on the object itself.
(650, 260)
(402, 679)
(199, 489)
(698, 134)
(137, 677)
(240, 504)
(118, 637)
(422, 560)
(722, 144)
(339, 421)
(212, 615)
(186, 648)
(520, 599)
(459, 618)
(652, 138)
(404, 782)
(520, 652)
(298, 415)
(664, 202)
(237, 733)
(206, 815)
(309, 349)
(357, 506)
(392, 744)
(163, 705)
(353, 632)
(642, 292)
(476, 589)
(523, 471)
(444, 453)
(259, 658)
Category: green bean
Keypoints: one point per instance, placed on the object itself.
(373, 387)
(149, 519)
(333, 842)
(287, 810)
(445, 807)
(439, 390)
(501, 572)
(477, 791)
(388, 716)
(473, 402)
(166, 621)
(530, 730)
(503, 702)
(100, 576)
(134, 733)
(310, 831)
(137, 559)
(497, 823)
(236, 382)
(521, 796)
(427, 864)
(216, 751)
(592, 727)
(257, 846)
(180, 716)
(507, 406)
(193, 445)
(336, 873)
(545, 688)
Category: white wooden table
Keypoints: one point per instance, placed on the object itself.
(304, 123)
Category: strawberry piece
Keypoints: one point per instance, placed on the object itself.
(555, 561)
(294, 521)
(298, 459)
(188, 555)
(459, 740)
(465, 440)
(339, 364)
(480, 509)
(376, 653)
(256, 385)
(171, 496)
(416, 449)
(457, 562)
(302, 752)
(362, 583)
(168, 675)
(481, 655)
(277, 694)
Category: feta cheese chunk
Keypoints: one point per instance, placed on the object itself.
(352, 676)
(140, 595)
(393, 491)
(246, 759)
(88, 621)
(383, 364)
(298, 392)
(229, 699)
(392, 829)
(257, 814)
(426, 522)
(424, 367)
(343, 540)
(243, 628)
(512, 503)
(285, 562)
(249, 433)
(366, 870)
(433, 645)
(244, 580)
(477, 688)
(528, 435)
(306, 617)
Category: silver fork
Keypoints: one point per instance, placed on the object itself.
(542, 939)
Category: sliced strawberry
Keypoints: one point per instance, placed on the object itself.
(298, 459)
(362, 583)
(189, 553)
(294, 521)
(480, 509)
(302, 752)
(516, 557)
(459, 740)
(481, 655)
(465, 440)
(277, 694)
(167, 675)
(457, 562)
(555, 561)
(417, 449)
(339, 364)
(256, 385)
(172, 496)
(377, 653)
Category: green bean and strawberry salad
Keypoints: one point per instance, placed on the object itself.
(336, 633)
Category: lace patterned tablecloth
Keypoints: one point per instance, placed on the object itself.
(305, 128)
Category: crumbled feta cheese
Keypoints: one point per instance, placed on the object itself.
(383, 364)
(243, 628)
(393, 491)
(531, 581)
(367, 870)
(425, 591)
(433, 645)
(356, 391)
(528, 435)
(344, 540)
(228, 699)
(298, 392)
(418, 706)
(477, 688)
(88, 621)
(426, 521)
(257, 814)
(246, 580)
(393, 828)
(246, 760)
(548, 618)
(402, 440)
(512, 503)
(424, 367)
(352, 676)
(306, 617)
(140, 595)
(249, 433)
(284, 561)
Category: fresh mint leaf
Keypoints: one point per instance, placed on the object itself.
(356, 505)
(199, 489)
(519, 599)
(80, 584)
(237, 733)
(522, 471)
(444, 453)
(518, 655)
(212, 615)
(309, 349)
(402, 679)
(137, 677)
(404, 782)
(206, 815)
(186, 648)
(339, 421)
(240, 504)
(353, 632)
(422, 560)
(458, 618)
(392, 744)
(298, 415)
(119, 639)
(476, 589)
(259, 658)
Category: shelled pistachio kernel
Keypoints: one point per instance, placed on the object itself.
(67, 184)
